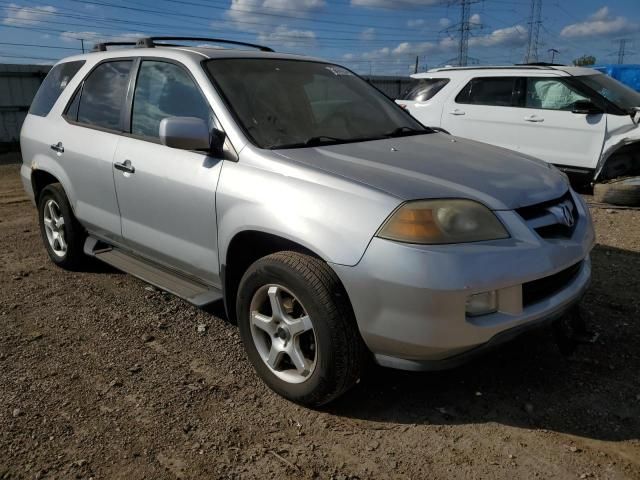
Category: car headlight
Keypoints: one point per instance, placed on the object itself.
(442, 221)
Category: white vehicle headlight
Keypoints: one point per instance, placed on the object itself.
(442, 221)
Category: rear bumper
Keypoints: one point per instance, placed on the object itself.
(410, 300)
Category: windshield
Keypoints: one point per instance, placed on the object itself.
(620, 95)
(424, 89)
(290, 103)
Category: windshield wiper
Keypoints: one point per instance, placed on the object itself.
(313, 142)
(406, 131)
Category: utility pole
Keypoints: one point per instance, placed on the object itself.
(553, 52)
(415, 70)
(621, 50)
(82, 43)
(535, 21)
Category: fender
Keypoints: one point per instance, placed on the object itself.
(329, 215)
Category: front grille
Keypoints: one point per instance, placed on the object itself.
(537, 290)
(552, 219)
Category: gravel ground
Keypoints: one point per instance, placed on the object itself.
(104, 377)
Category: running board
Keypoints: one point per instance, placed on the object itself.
(191, 290)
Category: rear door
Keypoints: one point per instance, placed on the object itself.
(167, 203)
(486, 110)
(549, 129)
(92, 128)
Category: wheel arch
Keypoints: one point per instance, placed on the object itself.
(246, 247)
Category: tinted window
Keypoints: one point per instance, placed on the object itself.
(550, 94)
(165, 90)
(498, 91)
(53, 85)
(103, 95)
(424, 89)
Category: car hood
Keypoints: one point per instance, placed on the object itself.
(439, 166)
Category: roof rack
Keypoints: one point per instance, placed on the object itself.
(102, 46)
(541, 64)
(150, 42)
(493, 67)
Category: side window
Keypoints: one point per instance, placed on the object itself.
(550, 94)
(103, 94)
(493, 91)
(425, 89)
(53, 85)
(165, 90)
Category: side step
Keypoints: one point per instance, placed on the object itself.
(189, 289)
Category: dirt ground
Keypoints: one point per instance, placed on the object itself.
(103, 377)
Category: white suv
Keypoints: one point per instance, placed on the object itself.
(579, 119)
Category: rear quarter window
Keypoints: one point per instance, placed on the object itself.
(490, 91)
(54, 84)
(424, 89)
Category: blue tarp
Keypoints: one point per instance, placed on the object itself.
(627, 74)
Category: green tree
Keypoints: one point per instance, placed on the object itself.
(585, 61)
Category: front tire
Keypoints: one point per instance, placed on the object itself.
(298, 328)
(62, 234)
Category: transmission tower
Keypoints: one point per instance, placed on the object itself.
(535, 21)
(621, 50)
(463, 29)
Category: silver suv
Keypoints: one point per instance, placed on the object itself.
(335, 227)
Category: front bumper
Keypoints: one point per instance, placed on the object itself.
(410, 300)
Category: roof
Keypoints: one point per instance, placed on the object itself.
(195, 53)
(569, 70)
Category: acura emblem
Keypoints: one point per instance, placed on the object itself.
(563, 213)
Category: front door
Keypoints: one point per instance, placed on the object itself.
(167, 201)
(551, 131)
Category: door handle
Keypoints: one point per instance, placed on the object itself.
(57, 147)
(534, 119)
(457, 111)
(124, 166)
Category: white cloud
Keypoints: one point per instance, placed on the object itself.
(601, 23)
(96, 37)
(368, 34)
(444, 22)
(510, 36)
(396, 3)
(249, 14)
(413, 23)
(475, 19)
(17, 15)
(287, 37)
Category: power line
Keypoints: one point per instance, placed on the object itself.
(464, 30)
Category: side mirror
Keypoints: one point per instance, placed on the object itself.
(185, 133)
(216, 147)
(585, 107)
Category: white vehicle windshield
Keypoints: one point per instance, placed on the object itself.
(620, 95)
(290, 103)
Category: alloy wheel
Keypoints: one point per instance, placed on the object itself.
(54, 228)
(283, 333)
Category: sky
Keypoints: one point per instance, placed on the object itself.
(380, 37)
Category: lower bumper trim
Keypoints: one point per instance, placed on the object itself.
(462, 358)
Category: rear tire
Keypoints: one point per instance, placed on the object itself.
(62, 234)
(307, 289)
(624, 192)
